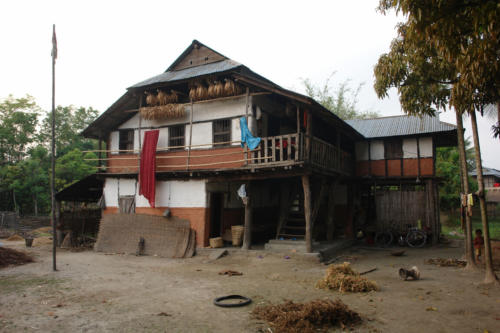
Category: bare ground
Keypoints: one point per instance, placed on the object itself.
(95, 292)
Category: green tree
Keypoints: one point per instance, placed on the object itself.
(73, 166)
(18, 120)
(342, 101)
(70, 121)
(449, 169)
(446, 52)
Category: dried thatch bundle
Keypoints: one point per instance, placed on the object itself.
(201, 92)
(211, 90)
(307, 317)
(151, 99)
(162, 97)
(343, 278)
(163, 112)
(219, 89)
(229, 88)
(192, 94)
(449, 262)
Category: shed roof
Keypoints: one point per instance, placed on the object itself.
(487, 172)
(399, 126)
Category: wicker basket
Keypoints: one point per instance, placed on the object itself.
(216, 242)
(237, 231)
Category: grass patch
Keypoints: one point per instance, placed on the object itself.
(453, 225)
(10, 284)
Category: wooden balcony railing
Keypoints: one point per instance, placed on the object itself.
(281, 150)
(328, 156)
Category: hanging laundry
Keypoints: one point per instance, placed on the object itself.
(147, 175)
(247, 137)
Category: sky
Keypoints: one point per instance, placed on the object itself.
(106, 46)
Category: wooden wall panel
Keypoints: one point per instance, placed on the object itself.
(393, 168)
(410, 167)
(427, 166)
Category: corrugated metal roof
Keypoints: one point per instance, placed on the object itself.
(187, 73)
(399, 126)
(487, 172)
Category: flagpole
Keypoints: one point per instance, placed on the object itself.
(53, 149)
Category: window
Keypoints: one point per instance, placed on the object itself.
(393, 149)
(176, 136)
(126, 141)
(221, 130)
(126, 204)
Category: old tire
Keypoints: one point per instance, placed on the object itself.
(219, 301)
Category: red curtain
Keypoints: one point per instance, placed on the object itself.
(148, 166)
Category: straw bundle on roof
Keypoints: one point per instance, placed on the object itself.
(201, 92)
(162, 112)
(219, 89)
(151, 99)
(211, 90)
(162, 97)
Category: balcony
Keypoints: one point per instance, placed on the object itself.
(272, 152)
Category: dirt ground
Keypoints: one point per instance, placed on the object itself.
(96, 292)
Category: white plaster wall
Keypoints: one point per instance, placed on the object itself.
(377, 150)
(162, 139)
(111, 192)
(202, 134)
(114, 141)
(205, 111)
(126, 186)
(425, 147)
(235, 131)
(361, 151)
(410, 148)
(340, 195)
(175, 193)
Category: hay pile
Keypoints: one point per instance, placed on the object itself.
(13, 257)
(449, 262)
(343, 278)
(308, 317)
(15, 238)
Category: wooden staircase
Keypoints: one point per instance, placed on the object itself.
(293, 224)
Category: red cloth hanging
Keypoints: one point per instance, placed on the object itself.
(147, 177)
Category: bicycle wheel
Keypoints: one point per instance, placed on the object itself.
(416, 238)
(383, 238)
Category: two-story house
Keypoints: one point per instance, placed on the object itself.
(311, 175)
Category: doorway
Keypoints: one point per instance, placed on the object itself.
(216, 213)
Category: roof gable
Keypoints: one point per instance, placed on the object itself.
(195, 55)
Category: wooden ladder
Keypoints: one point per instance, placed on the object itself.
(294, 225)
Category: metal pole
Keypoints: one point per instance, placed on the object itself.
(53, 148)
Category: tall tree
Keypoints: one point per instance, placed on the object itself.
(18, 120)
(449, 52)
(70, 121)
(342, 101)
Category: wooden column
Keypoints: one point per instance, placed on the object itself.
(418, 158)
(190, 134)
(330, 222)
(99, 165)
(307, 211)
(247, 236)
(247, 101)
(307, 155)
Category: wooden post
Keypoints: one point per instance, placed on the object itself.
(369, 158)
(298, 121)
(307, 155)
(247, 235)
(246, 117)
(330, 222)
(418, 158)
(99, 155)
(307, 211)
(190, 134)
(319, 200)
(140, 141)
